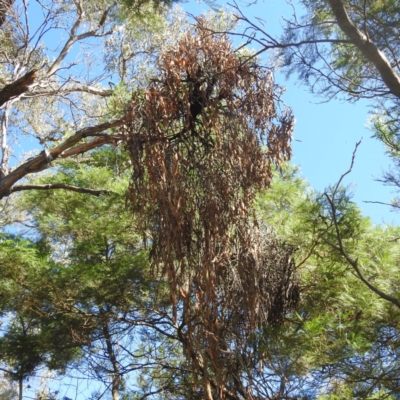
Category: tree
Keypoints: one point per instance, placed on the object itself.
(341, 334)
(45, 96)
(7, 391)
(339, 339)
(25, 346)
(341, 47)
(347, 49)
(199, 110)
(94, 292)
(208, 285)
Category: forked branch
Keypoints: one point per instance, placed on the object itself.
(44, 159)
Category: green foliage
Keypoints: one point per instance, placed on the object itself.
(339, 331)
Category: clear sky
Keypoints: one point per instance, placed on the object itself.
(326, 133)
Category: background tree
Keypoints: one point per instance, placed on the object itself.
(345, 49)
(25, 346)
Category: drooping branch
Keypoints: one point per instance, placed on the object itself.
(18, 87)
(197, 162)
(44, 159)
(366, 46)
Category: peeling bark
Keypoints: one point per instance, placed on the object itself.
(18, 87)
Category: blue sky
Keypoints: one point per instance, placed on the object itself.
(326, 133)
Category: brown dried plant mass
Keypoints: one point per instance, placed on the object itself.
(195, 137)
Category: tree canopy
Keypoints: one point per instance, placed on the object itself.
(156, 242)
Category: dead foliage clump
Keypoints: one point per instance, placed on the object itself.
(203, 138)
(254, 289)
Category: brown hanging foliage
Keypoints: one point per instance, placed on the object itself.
(196, 137)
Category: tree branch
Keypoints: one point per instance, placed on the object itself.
(383, 203)
(18, 87)
(52, 186)
(4, 7)
(44, 159)
(91, 144)
(73, 38)
(340, 247)
(367, 48)
(70, 89)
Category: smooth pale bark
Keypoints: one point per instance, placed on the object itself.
(368, 48)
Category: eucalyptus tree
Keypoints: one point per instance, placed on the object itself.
(192, 113)
(195, 118)
(58, 85)
(336, 339)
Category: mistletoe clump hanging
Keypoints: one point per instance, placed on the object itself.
(203, 139)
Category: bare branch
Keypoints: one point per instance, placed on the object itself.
(353, 157)
(75, 38)
(383, 203)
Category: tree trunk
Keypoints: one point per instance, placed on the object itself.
(20, 387)
(20, 86)
(116, 378)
